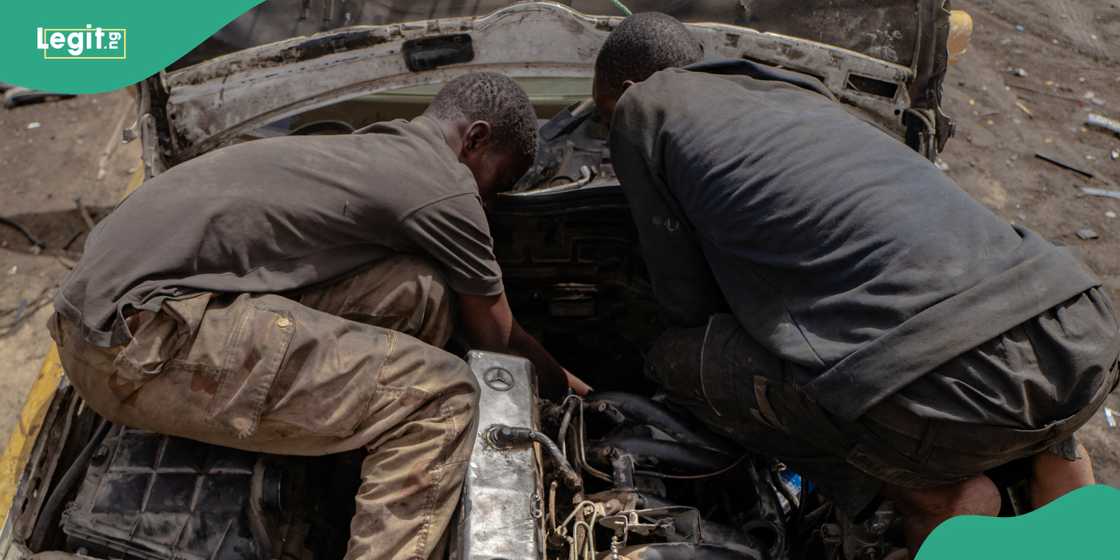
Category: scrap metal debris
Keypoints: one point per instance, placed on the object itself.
(1091, 97)
(1101, 121)
(1046, 93)
(68, 263)
(1063, 165)
(73, 238)
(84, 213)
(21, 312)
(35, 241)
(1087, 234)
(1110, 417)
(116, 138)
(1101, 192)
(14, 96)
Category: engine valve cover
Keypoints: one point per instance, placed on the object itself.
(501, 515)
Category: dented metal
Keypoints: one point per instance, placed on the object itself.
(501, 513)
(213, 102)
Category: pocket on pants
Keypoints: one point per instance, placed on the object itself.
(155, 339)
(244, 344)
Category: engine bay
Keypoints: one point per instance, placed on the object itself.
(619, 474)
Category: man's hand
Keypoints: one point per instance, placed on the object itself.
(490, 326)
(577, 385)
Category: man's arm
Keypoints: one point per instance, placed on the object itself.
(490, 325)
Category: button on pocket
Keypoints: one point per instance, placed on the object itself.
(252, 356)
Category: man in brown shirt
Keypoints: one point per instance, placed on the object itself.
(292, 296)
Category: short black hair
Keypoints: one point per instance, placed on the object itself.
(496, 99)
(641, 45)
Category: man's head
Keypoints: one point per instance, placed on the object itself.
(492, 126)
(641, 45)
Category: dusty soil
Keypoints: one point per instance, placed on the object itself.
(42, 170)
(1065, 48)
(1068, 50)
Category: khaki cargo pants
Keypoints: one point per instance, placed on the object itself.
(354, 364)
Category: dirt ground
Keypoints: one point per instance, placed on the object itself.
(1035, 70)
(51, 154)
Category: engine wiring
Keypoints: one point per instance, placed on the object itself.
(581, 447)
(582, 519)
(713, 474)
(575, 534)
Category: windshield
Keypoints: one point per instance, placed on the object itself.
(884, 29)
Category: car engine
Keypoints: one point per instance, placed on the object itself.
(618, 474)
(615, 475)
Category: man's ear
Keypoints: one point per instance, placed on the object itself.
(477, 136)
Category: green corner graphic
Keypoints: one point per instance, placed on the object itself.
(146, 37)
(1078, 525)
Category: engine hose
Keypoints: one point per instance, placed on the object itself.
(712, 532)
(70, 478)
(622, 7)
(684, 551)
(569, 408)
(651, 453)
(505, 437)
(257, 524)
(644, 411)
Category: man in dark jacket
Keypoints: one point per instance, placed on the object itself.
(293, 296)
(841, 303)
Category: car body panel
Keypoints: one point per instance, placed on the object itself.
(210, 104)
(25, 435)
(890, 30)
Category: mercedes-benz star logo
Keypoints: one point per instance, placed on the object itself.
(498, 379)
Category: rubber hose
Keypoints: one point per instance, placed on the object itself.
(508, 436)
(645, 411)
(65, 484)
(685, 551)
(654, 454)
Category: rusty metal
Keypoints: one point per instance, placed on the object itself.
(211, 103)
(44, 463)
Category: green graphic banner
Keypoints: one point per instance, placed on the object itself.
(1078, 525)
(75, 46)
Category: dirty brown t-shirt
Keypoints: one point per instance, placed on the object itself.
(280, 214)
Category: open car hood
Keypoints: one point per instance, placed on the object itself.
(888, 67)
(889, 30)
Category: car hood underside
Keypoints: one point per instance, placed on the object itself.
(871, 58)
